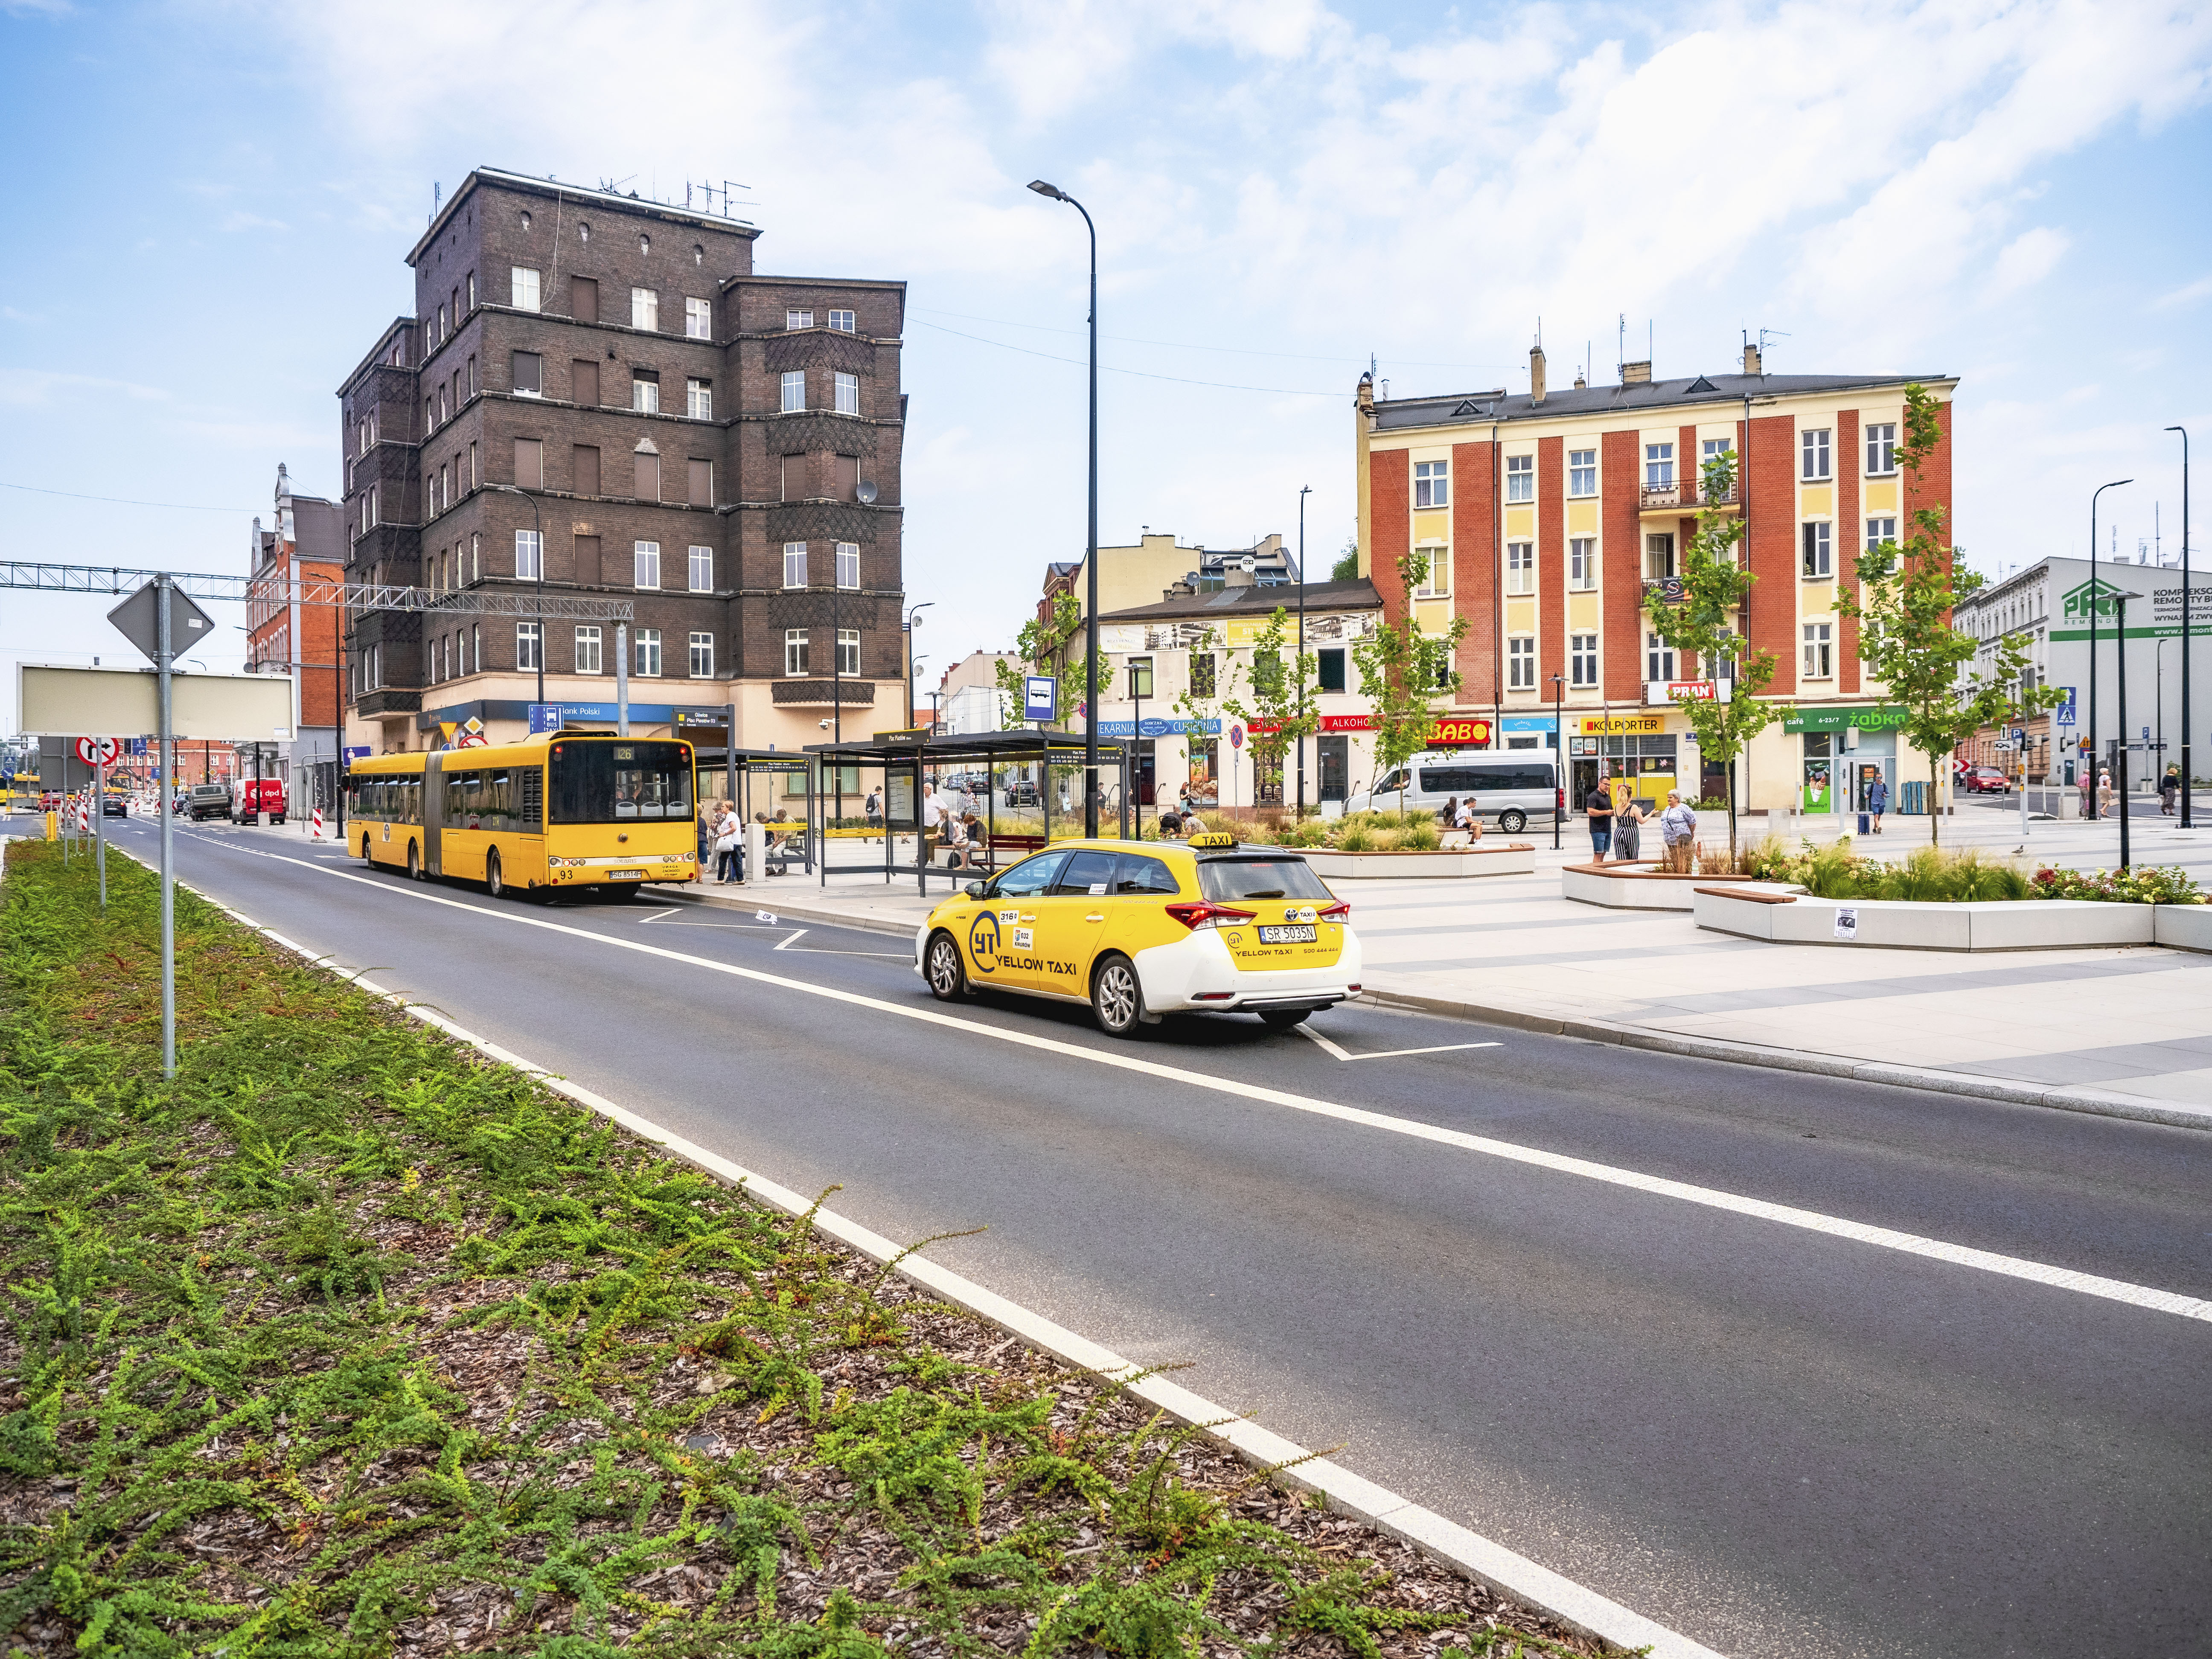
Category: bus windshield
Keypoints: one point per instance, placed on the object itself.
(620, 782)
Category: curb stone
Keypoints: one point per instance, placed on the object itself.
(1511, 1575)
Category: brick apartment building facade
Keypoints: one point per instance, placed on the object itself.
(285, 634)
(1552, 520)
(720, 449)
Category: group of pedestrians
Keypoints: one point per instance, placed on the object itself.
(722, 840)
(1616, 828)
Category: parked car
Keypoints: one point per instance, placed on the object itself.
(1984, 781)
(208, 800)
(1511, 790)
(260, 795)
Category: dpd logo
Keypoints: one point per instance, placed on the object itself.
(983, 943)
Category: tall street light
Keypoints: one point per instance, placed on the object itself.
(2120, 598)
(2093, 494)
(537, 529)
(913, 620)
(1304, 490)
(2186, 621)
(1090, 604)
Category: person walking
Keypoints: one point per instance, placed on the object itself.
(1678, 833)
(2169, 790)
(729, 845)
(2103, 794)
(1599, 808)
(1877, 801)
(710, 816)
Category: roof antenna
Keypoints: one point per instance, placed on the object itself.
(436, 189)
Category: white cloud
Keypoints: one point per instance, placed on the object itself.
(2027, 259)
(40, 388)
(2187, 295)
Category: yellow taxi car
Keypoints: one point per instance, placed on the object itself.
(1142, 929)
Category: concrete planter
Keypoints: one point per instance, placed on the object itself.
(2184, 926)
(1766, 910)
(1629, 886)
(1516, 858)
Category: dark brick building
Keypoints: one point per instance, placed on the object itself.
(718, 447)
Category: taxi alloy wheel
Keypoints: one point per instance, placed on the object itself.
(492, 880)
(948, 975)
(1116, 999)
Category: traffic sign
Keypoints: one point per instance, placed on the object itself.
(1041, 698)
(138, 620)
(97, 751)
(2063, 714)
(544, 717)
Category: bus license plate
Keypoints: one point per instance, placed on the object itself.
(625, 875)
(1301, 935)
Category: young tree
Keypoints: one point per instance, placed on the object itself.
(1401, 670)
(1280, 710)
(1346, 568)
(1905, 596)
(1715, 585)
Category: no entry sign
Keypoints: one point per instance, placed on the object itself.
(98, 751)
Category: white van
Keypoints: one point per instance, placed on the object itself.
(1511, 789)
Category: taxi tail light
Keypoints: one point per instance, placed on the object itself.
(1205, 914)
(1339, 911)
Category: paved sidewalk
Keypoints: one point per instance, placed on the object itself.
(2125, 1029)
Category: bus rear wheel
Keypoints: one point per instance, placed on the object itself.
(492, 880)
(414, 862)
(365, 858)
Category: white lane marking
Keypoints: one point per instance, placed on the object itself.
(658, 916)
(1788, 1215)
(1390, 1054)
(789, 943)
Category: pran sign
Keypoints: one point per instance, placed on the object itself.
(2157, 612)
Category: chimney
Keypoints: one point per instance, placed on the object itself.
(1363, 397)
(1751, 362)
(1579, 382)
(1536, 374)
(1636, 374)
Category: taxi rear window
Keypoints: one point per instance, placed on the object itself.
(1226, 879)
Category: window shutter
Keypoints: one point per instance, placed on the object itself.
(528, 373)
(647, 480)
(584, 469)
(584, 382)
(849, 477)
(584, 299)
(529, 464)
(703, 483)
(588, 559)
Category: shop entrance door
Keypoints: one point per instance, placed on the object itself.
(1335, 757)
(1865, 774)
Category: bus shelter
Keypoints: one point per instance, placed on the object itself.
(1022, 789)
(775, 786)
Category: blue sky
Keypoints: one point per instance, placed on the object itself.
(209, 205)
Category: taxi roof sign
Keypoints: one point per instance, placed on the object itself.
(1215, 839)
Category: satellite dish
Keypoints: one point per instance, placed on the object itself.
(1248, 564)
(868, 494)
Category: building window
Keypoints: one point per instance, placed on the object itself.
(1881, 447)
(1435, 571)
(645, 652)
(699, 399)
(1521, 663)
(794, 390)
(528, 369)
(472, 463)
(702, 570)
(702, 656)
(1520, 566)
(1813, 448)
(1711, 449)
(473, 291)
(523, 291)
(587, 649)
(1581, 472)
(1201, 674)
(1658, 466)
(1520, 478)
(1878, 530)
(645, 393)
(699, 319)
(1328, 670)
(645, 309)
(848, 564)
(646, 559)
(848, 394)
(1658, 557)
(1658, 659)
(1819, 654)
(1819, 561)
(794, 651)
(525, 645)
(1431, 484)
(842, 320)
(475, 558)
(795, 564)
(1581, 562)
(1581, 659)
(529, 556)
(849, 652)
(799, 319)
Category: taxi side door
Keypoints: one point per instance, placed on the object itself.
(999, 943)
(1071, 921)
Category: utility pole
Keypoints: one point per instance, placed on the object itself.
(2094, 582)
(1304, 490)
(164, 658)
(2187, 622)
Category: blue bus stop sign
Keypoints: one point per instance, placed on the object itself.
(1041, 697)
(544, 717)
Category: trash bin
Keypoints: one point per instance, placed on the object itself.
(1866, 824)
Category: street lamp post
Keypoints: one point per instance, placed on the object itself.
(537, 529)
(1304, 490)
(1090, 564)
(2093, 494)
(913, 621)
(2187, 620)
(2120, 605)
(1558, 754)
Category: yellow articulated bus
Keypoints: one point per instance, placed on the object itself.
(551, 814)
